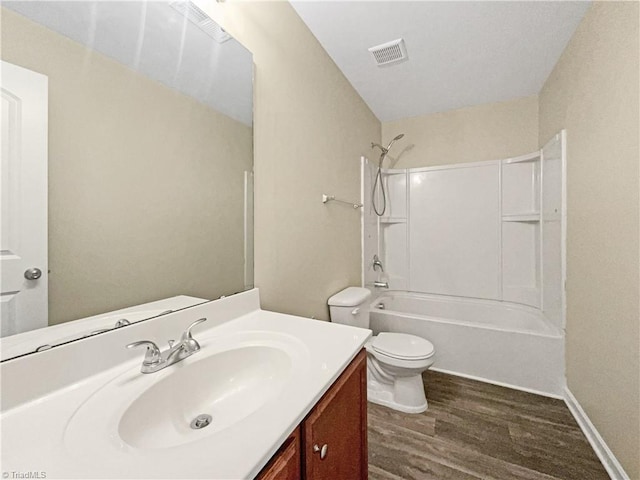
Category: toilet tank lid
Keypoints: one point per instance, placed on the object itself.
(350, 297)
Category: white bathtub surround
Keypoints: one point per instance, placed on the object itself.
(369, 225)
(85, 411)
(497, 342)
(483, 246)
(491, 230)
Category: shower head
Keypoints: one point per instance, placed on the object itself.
(386, 150)
(398, 137)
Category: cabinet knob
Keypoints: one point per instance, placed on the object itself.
(322, 450)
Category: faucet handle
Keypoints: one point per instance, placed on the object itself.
(187, 332)
(152, 355)
(187, 339)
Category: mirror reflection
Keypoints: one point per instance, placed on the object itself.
(126, 170)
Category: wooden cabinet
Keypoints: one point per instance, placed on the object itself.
(335, 432)
(331, 443)
(286, 463)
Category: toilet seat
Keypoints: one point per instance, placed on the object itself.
(402, 346)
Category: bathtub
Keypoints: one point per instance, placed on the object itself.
(497, 342)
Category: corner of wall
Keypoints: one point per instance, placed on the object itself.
(593, 93)
(305, 250)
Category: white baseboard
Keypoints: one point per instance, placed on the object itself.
(500, 384)
(606, 456)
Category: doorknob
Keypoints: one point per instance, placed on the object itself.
(33, 274)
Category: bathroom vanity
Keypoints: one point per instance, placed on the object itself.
(286, 396)
(332, 440)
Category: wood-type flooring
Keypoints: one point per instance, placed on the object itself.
(474, 430)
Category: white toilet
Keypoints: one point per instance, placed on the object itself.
(395, 361)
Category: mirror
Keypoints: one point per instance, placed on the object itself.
(148, 151)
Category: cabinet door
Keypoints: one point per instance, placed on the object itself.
(285, 464)
(335, 432)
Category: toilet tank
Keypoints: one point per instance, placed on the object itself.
(350, 307)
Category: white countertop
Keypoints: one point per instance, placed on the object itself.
(37, 434)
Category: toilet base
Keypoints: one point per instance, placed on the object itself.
(405, 394)
(386, 400)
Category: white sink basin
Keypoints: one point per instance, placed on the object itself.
(229, 379)
(228, 386)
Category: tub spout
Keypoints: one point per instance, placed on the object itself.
(381, 284)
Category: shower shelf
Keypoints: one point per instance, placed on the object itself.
(531, 157)
(393, 220)
(522, 217)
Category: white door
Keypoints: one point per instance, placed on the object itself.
(23, 200)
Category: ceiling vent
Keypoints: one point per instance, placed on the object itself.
(390, 52)
(195, 15)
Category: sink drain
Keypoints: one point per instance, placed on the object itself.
(201, 421)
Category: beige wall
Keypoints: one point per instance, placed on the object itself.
(484, 132)
(593, 93)
(145, 184)
(311, 128)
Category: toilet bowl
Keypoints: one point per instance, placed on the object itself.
(394, 371)
(395, 361)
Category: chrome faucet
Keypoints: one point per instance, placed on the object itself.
(155, 360)
(377, 263)
(381, 284)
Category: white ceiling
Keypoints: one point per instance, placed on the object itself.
(155, 40)
(460, 53)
